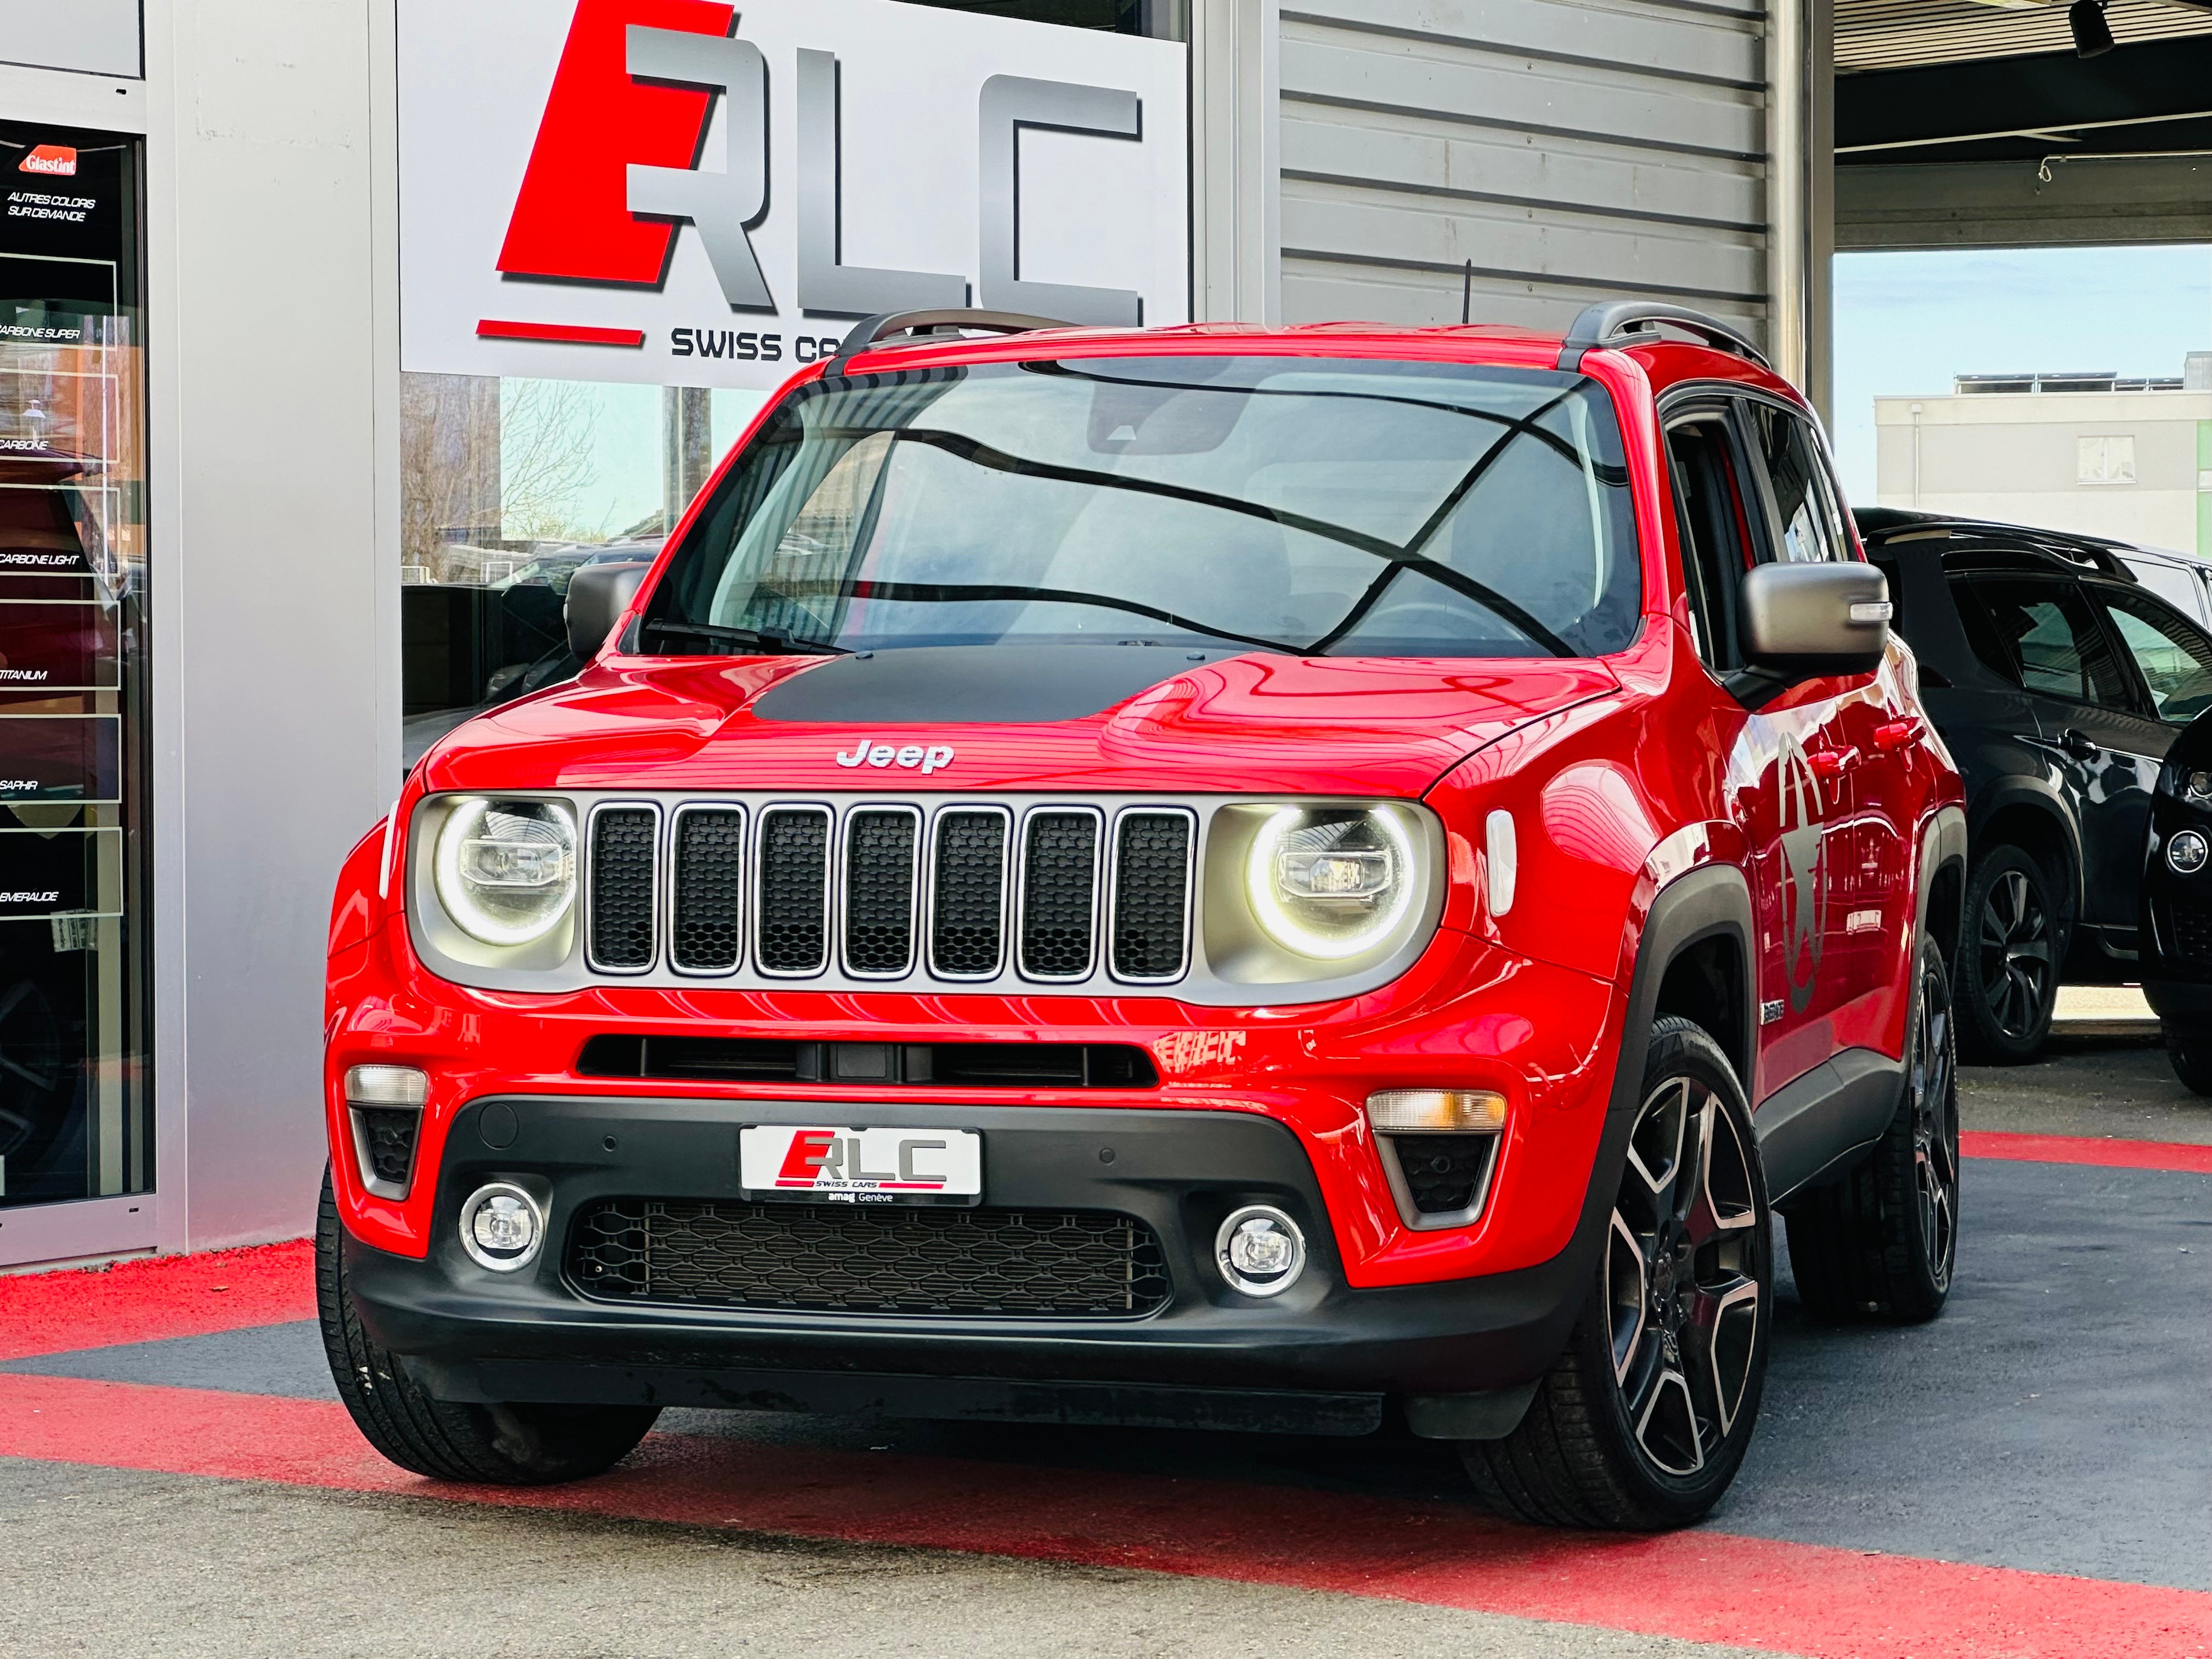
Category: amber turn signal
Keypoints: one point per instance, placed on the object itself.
(1428, 1110)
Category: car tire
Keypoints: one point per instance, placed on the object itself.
(2192, 1055)
(1641, 1422)
(516, 1445)
(1883, 1243)
(2009, 962)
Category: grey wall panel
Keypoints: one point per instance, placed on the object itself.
(95, 37)
(1699, 42)
(1574, 150)
(1401, 155)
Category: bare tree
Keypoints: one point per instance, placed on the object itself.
(449, 464)
(545, 458)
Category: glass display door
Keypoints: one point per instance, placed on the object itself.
(74, 1102)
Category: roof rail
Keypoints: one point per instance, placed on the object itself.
(879, 328)
(1629, 322)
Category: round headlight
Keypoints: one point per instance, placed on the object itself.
(1330, 882)
(507, 869)
(2186, 851)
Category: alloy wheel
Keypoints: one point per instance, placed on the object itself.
(1683, 1276)
(1936, 1129)
(2015, 953)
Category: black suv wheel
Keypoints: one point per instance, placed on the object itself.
(2008, 977)
(1642, 1421)
(2192, 1055)
(1881, 1242)
(517, 1445)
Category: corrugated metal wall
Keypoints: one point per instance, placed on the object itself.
(1573, 149)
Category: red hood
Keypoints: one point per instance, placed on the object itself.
(1259, 722)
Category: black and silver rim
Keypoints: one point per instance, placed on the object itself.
(1936, 1129)
(1683, 1278)
(2015, 953)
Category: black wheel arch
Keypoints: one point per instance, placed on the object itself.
(2027, 813)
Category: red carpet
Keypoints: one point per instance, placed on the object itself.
(1795, 1598)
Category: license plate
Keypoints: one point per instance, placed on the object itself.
(860, 1165)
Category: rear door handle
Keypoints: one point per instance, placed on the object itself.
(1829, 763)
(1894, 735)
(2077, 743)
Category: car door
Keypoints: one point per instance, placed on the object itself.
(1787, 773)
(1846, 750)
(2171, 659)
(2102, 746)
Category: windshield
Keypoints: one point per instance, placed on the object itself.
(1317, 506)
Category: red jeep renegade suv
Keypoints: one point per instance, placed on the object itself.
(1263, 879)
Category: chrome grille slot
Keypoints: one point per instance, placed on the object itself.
(619, 907)
(1150, 930)
(1060, 892)
(883, 849)
(791, 915)
(967, 893)
(706, 869)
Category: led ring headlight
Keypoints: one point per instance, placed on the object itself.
(1330, 883)
(506, 869)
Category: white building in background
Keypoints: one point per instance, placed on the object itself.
(2093, 453)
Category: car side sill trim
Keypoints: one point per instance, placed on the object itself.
(1807, 1128)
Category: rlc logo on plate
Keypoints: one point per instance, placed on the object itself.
(876, 1164)
(58, 159)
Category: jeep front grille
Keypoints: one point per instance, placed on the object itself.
(625, 846)
(833, 1258)
(887, 891)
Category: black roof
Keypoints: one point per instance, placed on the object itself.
(1984, 544)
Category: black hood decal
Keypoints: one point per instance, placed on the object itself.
(980, 685)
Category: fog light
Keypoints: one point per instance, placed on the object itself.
(1427, 1111)
(502, 1227)
(1260, 1250)
(386, 1086)
(2186, 851)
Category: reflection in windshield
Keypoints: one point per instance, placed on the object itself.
(1312, 505)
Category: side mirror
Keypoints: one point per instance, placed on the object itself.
(597, 596)
(1798, 621)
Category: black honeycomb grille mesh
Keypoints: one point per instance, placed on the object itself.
(2193, 931)
(1151, 886)
(709, 870)
(879, 876)
(967, 934)
(389, 1134)
(845, 1259)
(1443, 1173)
(622, 887)
(1058, 894)
(795, 889)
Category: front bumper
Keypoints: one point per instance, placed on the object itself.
(1320, 1358)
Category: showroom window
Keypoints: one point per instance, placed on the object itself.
(73, 1007)
(508, 488)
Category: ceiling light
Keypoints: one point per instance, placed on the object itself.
(2093, 35)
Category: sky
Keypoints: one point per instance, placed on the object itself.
(1907, 322)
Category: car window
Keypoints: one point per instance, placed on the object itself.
(2177, 586)
(2175, 658)
(2054, 642)
(1710, 516)
(1810, 524)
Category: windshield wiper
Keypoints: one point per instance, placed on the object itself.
(750, 642)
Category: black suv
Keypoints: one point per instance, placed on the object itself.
(2060, 682)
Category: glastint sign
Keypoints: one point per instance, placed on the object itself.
(682, 192)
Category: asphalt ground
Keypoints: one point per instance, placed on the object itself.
(2027, 1476)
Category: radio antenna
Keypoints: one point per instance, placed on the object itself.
(1467, 296)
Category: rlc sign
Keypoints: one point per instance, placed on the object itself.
(832, 158)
